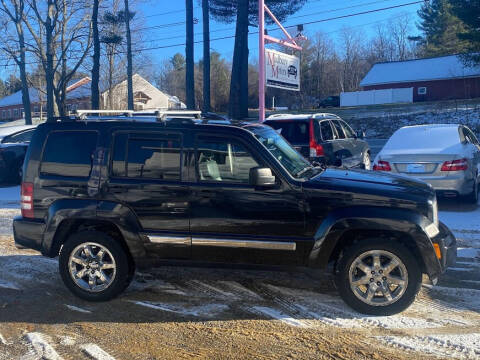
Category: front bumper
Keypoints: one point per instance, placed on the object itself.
(28, 233)
(447, 244)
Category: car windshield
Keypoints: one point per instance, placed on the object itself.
(285, 154)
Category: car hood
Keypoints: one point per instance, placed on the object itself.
(370, 185)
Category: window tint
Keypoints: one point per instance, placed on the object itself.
(327, 133)
(21, 137)
(339, 129)
(296, 132)
(154, 157)
(347, 130)
(69, 153)
(223, 160)
(119, 155)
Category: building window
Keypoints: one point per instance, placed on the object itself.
(36, 109)
(422, 90)
(9, 113)
(15, 112)
(4, 114)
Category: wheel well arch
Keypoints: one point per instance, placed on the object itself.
(350, 237)
(69, 226)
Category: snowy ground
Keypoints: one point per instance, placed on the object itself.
(176, 313)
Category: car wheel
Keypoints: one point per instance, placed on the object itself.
(367, 163)
(94, 266)
(378, 277)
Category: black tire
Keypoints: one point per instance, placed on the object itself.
(342, 278)
(123, 275)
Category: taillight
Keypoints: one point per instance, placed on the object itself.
(382, 166)
(26, 200)
(455, 165)
(315, 148)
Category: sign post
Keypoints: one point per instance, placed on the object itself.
(289, 81)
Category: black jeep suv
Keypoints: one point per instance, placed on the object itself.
(110, 196)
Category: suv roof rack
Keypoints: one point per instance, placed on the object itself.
(142, 115)
(304, 116)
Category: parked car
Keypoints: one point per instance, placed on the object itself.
(14, 142)
(323, 138)
(445, 156)
(331, 101)
(110, 196)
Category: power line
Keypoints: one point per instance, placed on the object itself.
(252, 33)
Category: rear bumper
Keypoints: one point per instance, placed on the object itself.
(453, 183)
(28, 233)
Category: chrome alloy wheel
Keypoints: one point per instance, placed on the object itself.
(92, 267)
(378, 277)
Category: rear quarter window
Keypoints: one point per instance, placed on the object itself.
(296, 132)
(69, 153)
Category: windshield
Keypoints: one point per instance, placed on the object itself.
(286, 155)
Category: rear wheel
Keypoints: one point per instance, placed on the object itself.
(94, 266)
(378, 277)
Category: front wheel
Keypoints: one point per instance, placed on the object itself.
(378, 277)
(94, 266)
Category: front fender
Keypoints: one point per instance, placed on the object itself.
(410, 223)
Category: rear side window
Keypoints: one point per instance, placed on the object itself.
(349, 133)
(296, 132)
(326, 129)
(147, 156)
(339, 129)
(69, 153)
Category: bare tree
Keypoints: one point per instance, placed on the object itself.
(14, 10)
(68, 33)
(95, 92)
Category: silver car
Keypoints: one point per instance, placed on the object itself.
(445, 156)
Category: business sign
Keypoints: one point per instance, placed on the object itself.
(282, 70)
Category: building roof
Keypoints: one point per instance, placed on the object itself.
(439, 68)
(78, 90)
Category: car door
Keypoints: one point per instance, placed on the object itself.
(146, 176)
(327, 136)
(231, 220)
(355, 145)
(474, 151)
(342, 146)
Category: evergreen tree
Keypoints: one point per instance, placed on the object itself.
(468, 11)
(440, 27)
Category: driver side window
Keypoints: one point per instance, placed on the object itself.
(223, 160)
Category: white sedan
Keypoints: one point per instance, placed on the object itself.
(445, 156)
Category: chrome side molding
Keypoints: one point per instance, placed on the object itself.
(246, 244)
(230, 243)
(170, 240)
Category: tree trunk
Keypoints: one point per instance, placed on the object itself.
(189, 73)
(95, 96)
(111, 64)
(49, 73)
(238, 104)
(206, 56)
(23, 76)
(129, 59)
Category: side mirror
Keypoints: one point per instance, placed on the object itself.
(360, 134)
(262, 177)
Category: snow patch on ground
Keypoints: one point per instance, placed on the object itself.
(185, 309)
(8, 285)
(40, 348)
(468, 253)
(461, 346)
(278, 315)
(78, 309)
(95, 352)
(2, 340)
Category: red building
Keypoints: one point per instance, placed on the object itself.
(432, 79)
